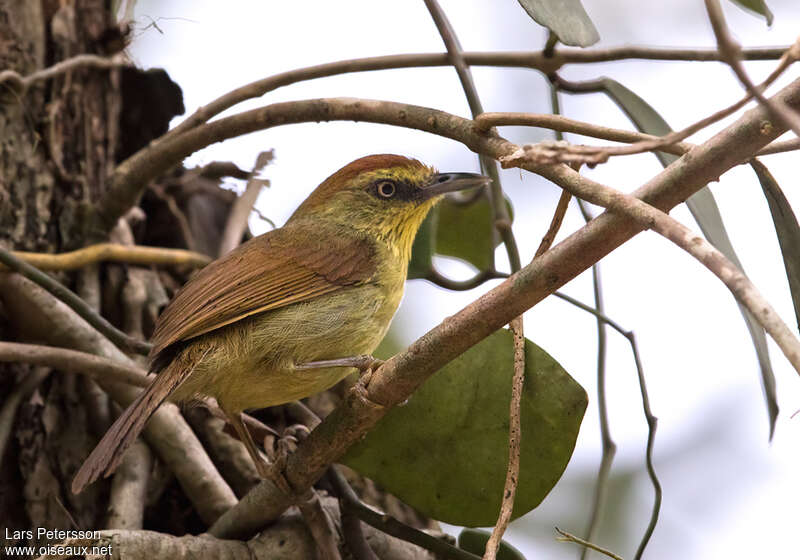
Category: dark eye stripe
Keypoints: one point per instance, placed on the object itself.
(389, 189)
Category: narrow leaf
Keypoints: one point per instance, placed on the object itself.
(786, 228)
(566, 18)
(757, 6)
(706, 213)
(474, 541)
(445, 452)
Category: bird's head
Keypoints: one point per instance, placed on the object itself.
(384, 196)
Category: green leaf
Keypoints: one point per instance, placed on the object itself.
(566, 18)
(462, 230)
(467, 232)
(445, 451)
(706, 213)
(474, 541)
(757, 6)
(422, 250)
(786, 228)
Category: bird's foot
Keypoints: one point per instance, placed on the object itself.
(283, 447)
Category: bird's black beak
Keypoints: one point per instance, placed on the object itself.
(449, 182)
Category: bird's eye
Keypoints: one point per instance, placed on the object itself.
(386, 189)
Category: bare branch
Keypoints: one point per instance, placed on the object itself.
(112, 252)
(650, 217)
(398, 377)
(601, 154)
(20, 84)
(547, 62)
(536, 60)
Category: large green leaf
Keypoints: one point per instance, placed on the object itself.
(566, 18)
(757, 6)
(786, 228)
(706, 213)
(474, 541)
(445, 452)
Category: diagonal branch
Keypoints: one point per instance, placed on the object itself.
(398, 377)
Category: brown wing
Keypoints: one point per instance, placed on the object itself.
(267, 272)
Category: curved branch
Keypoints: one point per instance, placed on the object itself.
(112, 252)
(400, 376)
(547, 62)
(436, 277)
(536, 60)
(133, 174)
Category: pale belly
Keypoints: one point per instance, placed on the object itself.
(258, 369)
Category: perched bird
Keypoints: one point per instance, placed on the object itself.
(291, 312)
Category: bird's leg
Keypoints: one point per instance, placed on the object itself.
(274, 471)
(362, 363)
(365, 364)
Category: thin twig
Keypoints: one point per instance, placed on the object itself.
(74, 302)
(652, 424)
(536, 60)
(502, 221)
(600, 154)
(567, 537)
(20, 84)
(730, 51)
(555, 223)
(514, 442)
(609, 447)
(435, 277)
(112, 252)
(564, 124)
(560, 123)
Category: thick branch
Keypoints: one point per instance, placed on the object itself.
(399, 377)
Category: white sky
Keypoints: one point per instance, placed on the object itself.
(727, 491)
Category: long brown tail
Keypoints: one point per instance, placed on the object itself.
(107, 455)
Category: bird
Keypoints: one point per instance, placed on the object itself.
(291, 312)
